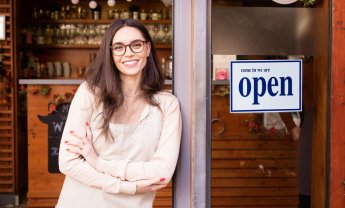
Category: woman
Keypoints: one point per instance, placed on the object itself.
(122, 135)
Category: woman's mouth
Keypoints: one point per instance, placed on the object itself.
(130, 63)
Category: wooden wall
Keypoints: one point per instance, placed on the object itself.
(44, 187)
(7, 110)
(247, 170)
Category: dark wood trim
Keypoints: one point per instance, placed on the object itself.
(337, 130)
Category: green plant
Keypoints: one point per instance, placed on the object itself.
(42, 90)
(59, 99)
(254, 123)
(309, 2)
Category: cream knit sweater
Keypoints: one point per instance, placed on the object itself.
(144, 150)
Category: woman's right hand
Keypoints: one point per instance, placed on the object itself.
(151, 185)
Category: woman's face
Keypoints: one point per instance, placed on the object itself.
(130, 51)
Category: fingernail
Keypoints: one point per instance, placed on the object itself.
(87, 123)
(71, 132)
(66, 141)
(162, 179)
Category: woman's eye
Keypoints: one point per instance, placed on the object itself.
(136, 45)
(118, 47)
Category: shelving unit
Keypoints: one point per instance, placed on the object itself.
(35, 19)
(86, 21)
(76, 46)
(7, 110)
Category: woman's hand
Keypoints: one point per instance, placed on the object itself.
(84, 146)
(151, 185)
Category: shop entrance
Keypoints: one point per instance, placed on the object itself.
(256, 158)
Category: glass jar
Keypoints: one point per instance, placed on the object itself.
(143, 15)
(135, 15)
(124, 14)
(169, 34)
(110, 14)
(161, 35)
(154, 16)
(116, 14)
(169, 68)
(96, 15)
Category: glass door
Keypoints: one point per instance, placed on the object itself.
(269, 159)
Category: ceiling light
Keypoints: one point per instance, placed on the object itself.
(285, 1)
(92, 4)
(111, 3)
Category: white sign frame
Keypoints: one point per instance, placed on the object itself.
(2, 27)
(255, 85)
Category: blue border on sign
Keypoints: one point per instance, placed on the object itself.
(266, 110)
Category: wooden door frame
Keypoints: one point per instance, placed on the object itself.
(337, 107)
(191, 52)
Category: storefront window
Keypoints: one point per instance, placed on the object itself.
(260, 159)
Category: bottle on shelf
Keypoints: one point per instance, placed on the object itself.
(38, 68)
(24, 73)
(163, 65)
(48, 35)
(169, 68)
(39, 36)
(42, 67)
(31, 66)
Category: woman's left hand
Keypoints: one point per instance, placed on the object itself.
(84, 146)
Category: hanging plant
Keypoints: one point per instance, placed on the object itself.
(59, 99)
(22, 90)
(308, 3)
(42, 90)
(254, 123)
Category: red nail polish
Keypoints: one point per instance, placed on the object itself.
(71, 132)
(87, 123)
(162, 179)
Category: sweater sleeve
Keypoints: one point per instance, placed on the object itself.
(165, 157)
(71, 164)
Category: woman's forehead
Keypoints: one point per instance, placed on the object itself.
(127, 35)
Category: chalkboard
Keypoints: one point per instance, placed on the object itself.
(56, 123)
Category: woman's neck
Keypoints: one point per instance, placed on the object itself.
(131, 87)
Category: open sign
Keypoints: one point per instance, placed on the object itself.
(265, 86)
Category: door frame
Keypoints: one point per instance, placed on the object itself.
(191, 52)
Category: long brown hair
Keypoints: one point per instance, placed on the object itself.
(103, 77)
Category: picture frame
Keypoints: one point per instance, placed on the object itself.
(2, 27)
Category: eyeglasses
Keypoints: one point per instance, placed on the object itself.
(136, 46)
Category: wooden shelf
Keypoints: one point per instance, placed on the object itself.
(78, 46)
(59, 46)
(86, 21)
(58, 81)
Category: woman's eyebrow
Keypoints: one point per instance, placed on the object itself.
(128, 43)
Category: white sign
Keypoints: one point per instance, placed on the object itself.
(265, 86)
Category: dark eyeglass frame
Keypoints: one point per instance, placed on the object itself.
(128, 45)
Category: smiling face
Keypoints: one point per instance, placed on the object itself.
(130, 63)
